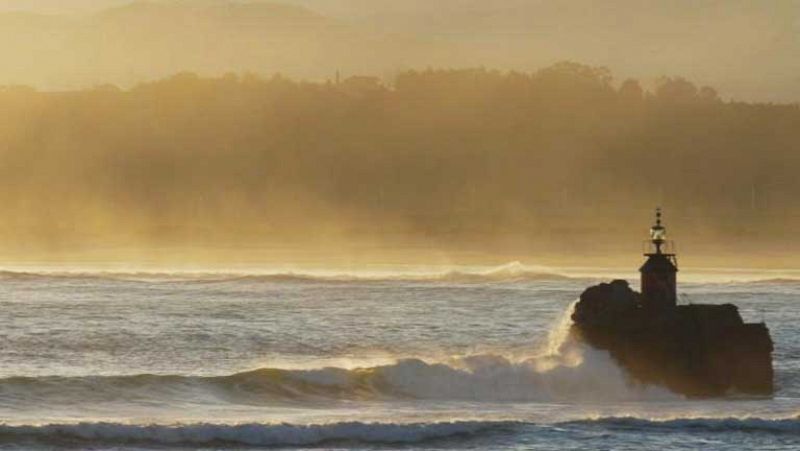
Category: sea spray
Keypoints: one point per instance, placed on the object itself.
(558, 336)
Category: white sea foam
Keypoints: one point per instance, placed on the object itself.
(562, 370)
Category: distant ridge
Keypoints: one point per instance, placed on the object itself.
(144, 40)
(701, 40)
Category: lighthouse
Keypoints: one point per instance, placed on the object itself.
(659, 290)
(697, 350)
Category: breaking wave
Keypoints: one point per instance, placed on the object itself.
(562, 369)
(592, 376)
(511, 272)
(475, 378)
(775, 281)
(271, 435)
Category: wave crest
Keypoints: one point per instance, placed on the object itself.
(511, 272)
(273, 435)
(564, 369)
(250, 434)
(483, 378)
(776, 425)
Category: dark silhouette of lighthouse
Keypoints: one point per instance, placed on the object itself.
(659, 290)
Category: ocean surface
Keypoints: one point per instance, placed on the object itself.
(472, 359)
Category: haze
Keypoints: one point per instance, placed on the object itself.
(534, 130)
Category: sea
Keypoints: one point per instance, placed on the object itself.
(466, 358)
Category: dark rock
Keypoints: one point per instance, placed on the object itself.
(696, 350)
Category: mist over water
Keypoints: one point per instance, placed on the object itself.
(479, 360)
(564, 163)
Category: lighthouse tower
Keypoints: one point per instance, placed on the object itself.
(659, 272)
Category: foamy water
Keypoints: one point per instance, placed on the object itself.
(459, 359)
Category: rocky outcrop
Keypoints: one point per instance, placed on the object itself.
(696, 350)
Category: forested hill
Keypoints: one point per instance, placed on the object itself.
(553, 159)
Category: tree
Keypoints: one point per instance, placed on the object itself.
(675, 90)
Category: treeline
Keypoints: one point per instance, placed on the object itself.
(458, 156)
